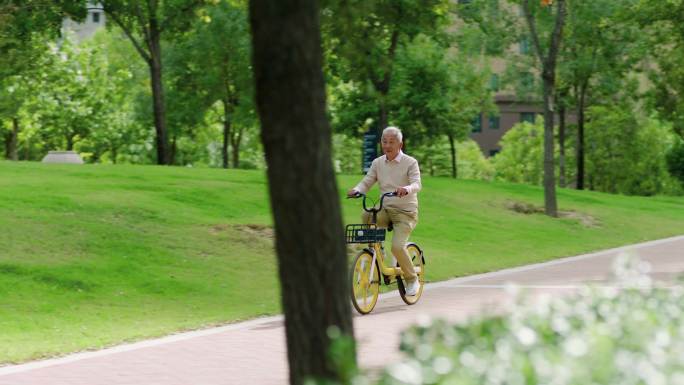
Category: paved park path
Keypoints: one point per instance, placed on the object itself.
(253, 352)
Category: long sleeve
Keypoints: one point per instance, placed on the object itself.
(414, 178)
(368, 180)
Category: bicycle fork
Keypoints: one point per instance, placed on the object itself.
(372, 269)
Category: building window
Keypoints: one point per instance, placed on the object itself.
(494, 152)
(524, 46)
(494, 82)
(477, 124)
(96, 17)
(527, 117)
(493, 122)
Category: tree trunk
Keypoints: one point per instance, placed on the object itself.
(172, 150)
(561, 139)
(383, 86)
(27, 150)
(6, 140)
(226, 133)
(550, 203)
(11, 141)
(235, 141)
(580, 136)
(149, 49)
(454, 173)
(155, 64)
(70, 142)
(548, 64)
(383, 118)
(290, 95)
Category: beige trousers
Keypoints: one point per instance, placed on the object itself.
(403, 223)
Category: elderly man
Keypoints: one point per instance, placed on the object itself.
(396, 172)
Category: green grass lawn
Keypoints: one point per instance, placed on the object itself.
(95, 255)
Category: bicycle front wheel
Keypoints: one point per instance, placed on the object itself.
(416, 256)
(365, 283)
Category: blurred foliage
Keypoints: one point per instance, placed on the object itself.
(627, 333)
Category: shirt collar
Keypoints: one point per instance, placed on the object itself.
(397, 159)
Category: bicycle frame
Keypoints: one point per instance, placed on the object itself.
(376, 248)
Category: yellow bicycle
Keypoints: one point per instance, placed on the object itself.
(369, 264)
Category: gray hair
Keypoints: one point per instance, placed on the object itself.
(393, 131)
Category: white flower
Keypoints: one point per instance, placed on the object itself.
(526, 336)
(575, 346)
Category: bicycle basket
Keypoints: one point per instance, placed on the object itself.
(364, 234)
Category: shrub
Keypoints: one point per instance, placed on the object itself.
(675, 161)
(629, 333)
(521, 159)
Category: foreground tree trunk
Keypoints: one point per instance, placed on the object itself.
(548, 63)
(296, 135)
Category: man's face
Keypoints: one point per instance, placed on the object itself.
(390, 145)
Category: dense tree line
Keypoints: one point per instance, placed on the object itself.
(170, 82)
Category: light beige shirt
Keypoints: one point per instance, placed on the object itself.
(402, 171)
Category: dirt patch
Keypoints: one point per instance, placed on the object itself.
(251, 230)
(528, 208)
(585, 219)
(217, 229)
(524, 207)
(261, 231)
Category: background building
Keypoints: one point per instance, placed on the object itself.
(87, 28)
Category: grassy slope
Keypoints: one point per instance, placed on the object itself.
(94, 255)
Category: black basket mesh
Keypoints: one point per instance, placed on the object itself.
(364, 234)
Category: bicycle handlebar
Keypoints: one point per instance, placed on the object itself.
(373, 209)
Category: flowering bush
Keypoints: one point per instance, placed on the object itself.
(631, 332)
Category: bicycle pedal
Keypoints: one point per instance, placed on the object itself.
(387, 279)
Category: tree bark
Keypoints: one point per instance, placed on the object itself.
(550, 203)
(454, 171)
(580, 136)
(548, 63)
(226, 133)
(159, 108)
(11, 141)
(290, 95)
(383, 86)
(561, 138)
(149, 49)
(172, 150)
(235, 141)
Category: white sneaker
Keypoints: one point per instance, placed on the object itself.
(412, 288)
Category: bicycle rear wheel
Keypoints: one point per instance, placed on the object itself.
(416, 256)
(365, 285)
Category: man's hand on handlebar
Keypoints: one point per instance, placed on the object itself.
(353, 193)
(402, 191)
